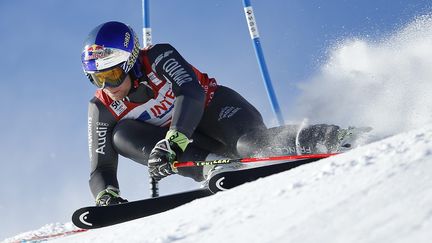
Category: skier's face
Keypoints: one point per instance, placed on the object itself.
(119, 92)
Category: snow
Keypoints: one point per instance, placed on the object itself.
(382, 83)
(49, 231)
(381, 192)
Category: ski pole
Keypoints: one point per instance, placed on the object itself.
(249, 160)
(154, 187)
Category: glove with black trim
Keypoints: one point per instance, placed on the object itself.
(165, 153)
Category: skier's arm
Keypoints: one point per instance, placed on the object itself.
(190, 96)
(103, 157)
(188, 107)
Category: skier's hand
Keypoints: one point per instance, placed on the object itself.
(165, 153)
(160, 160)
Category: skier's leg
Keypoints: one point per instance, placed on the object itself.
(274, 141)
(235, 123)
(228, 117)
(135, 140)
(319, 138)
(291, 140)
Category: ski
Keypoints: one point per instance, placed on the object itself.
(96, 217)
(221, 181)
(228, 179)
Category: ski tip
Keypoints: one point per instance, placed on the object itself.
(81, 219)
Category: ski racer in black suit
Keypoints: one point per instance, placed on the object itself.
(155, 108)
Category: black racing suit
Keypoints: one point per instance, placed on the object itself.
(172, 94)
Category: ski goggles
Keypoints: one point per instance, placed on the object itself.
(113, 77)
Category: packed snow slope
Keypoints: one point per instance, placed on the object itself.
(381, 192)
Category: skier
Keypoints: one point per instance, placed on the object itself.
(155, 108)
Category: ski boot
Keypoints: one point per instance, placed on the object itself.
(109, 196)
(211, 170)
(351, 137)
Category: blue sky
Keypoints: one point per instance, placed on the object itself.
(45, 95)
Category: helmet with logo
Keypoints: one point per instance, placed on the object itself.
(111, 52)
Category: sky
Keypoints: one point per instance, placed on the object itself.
(317, 53)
